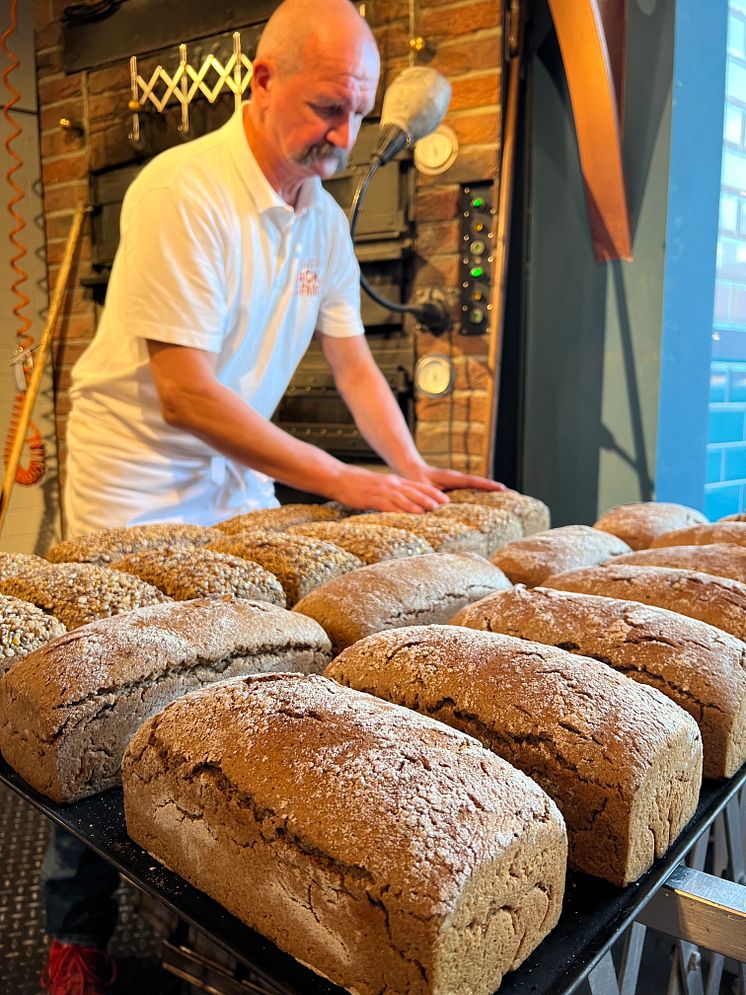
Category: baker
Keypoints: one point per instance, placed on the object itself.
(231, 257)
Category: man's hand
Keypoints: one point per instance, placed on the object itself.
(360, 488)
(448, 480)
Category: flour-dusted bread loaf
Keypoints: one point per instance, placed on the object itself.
(23, 629)
(702, 535)
(716, 600)
(496, 525)
(722, 559)
(623, 763)
(640, 522)
(531, 560)
(299, 563)
(107, 545)
(532, 513)
(69, 709)
(78, 593)
(415, 591)
(187, 573)
(444, 535)
(370, 543)
(280, 518)
(383, 850)
(694, 664)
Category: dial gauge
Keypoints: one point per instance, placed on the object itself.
(433, 375)
(436, 152)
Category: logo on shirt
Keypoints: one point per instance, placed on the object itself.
(308, 283)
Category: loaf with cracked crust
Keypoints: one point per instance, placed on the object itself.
(381, 849)
(694, 664)
(640, 522)
(69, 709)
(722, 559)
(623, 763)
(532, 513)
(415, 591)
(529, 561)
(702, 535)
(716, 600)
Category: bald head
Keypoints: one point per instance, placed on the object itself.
(300, 30)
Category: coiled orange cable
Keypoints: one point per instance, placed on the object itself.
(32, 473)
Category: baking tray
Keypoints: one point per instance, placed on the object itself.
(594, 913)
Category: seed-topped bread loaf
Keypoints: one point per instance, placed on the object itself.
(23, 629)
(623, 763)
(370, 543)
(702, 535)
(185, 574)
(280, 518)
(640, 522)
(531, 560)
(717, 600)
(13, 564)
(532, 513)
(381, 849)
(694, 664)
(108, 545)
(443, 534)
(69, 709)
(722, 559)
(416, 591)
(299, 563)
(496, 525)
(78, 593)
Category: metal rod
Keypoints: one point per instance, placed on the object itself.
(505, 195)
(41, 358)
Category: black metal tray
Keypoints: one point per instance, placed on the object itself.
(594, 913)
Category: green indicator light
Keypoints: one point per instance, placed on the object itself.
(476, 272)
(478, 202)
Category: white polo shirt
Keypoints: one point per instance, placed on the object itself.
(210, 257)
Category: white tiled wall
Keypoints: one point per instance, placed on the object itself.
(33, 520)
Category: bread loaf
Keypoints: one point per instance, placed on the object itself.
(532, 513)
(382, 849)
(496, 525)
(13, 564)
(531, 560)
(187, 573)
(78, 593)
(722, 559)
(300, 564)
(716, 600)
(623, 763)
(640, 522)
(69, 709)
(370, 543)
(23, 629)
(415, 591)
(694, 664)
(702, 535)
(444, 535)
(280, 518)
(107, 545)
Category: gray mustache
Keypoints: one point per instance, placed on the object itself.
(324, 151)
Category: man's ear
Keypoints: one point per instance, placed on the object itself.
(261, 80)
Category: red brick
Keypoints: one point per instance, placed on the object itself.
(60, 142)
(454, 59)
(459, 20)
(48, 36)
(56, 250)
(475, 91)
(475, 129)
(384, 11)
(48, 63)
(110, 79)
(473, 345)
(70, 167)
(54, 89)
(437, 271)
(42, 14)
(106, 108)
(65, 197)
(49, 117)
(461, 406)
(437, 203)
(392, 40)
(445, 437)
(437, 238)
(471, 374)
(78, 327)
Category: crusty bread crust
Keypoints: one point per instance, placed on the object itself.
(69, 709)
(639, 522)
(702, 535)
(623, 763)
(694, 664)
(414, 591)
(531, 560)
(380, 848)
(721, 559)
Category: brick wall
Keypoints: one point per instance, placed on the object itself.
(464, 43)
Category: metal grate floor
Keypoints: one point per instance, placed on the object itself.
(23, 942)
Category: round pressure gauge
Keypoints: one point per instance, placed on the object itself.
(433, 375)
(436, 152)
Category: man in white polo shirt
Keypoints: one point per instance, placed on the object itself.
(231, 256)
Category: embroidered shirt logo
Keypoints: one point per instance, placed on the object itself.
(308, 283)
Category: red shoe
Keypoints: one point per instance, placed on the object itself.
(73, 969)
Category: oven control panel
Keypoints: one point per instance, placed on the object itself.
(477, 257)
